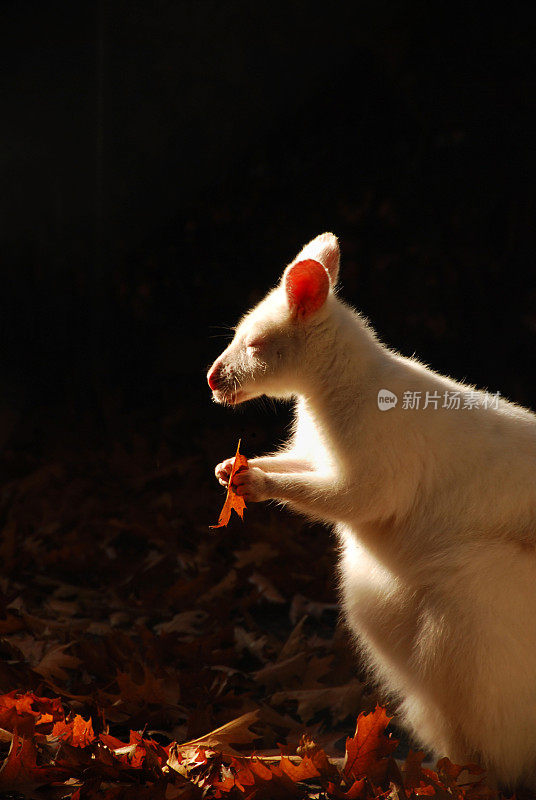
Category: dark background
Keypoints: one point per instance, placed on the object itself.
(162, 162)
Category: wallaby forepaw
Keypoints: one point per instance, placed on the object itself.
(223, 471)
(251, 484)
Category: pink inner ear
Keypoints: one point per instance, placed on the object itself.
(307, 286)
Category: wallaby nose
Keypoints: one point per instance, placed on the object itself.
(212, 375)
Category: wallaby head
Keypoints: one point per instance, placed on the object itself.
(267, 353)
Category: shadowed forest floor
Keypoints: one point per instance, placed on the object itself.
(147, 630)
(115, 592)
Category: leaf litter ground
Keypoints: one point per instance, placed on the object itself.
(144, 655)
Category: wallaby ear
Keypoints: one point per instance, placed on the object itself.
(306, 285)
(324, 248)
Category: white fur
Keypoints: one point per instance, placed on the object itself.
(435, 511)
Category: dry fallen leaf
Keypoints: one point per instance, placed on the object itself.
(256, 553)
(176, 633)
(70, 756)
(234, 732)
(233, 500)
(151, 689)
(341, 700)
(55, 662)
(412, 769)
(78, 732)
(368, 749)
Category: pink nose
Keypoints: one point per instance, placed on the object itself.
(212, 376)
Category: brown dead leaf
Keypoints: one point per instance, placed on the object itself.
(234, 732)
(266, 588)
(55, 662)
(340, 700)
(355, 792)
(301, 669)
(16, 771)
(304, 606)
(186, 624)
(20, 773)
(150, 689)
(256, 554)
(412, 769)
(299, 772)
(368, 750)
(225, 586)
(11, 624)
(295, 643)
(246, 640)
(281, 672)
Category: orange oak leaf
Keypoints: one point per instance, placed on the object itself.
(20, 773)
(418, 780)
(355, 792)
(145, 753)
(453, 771)
(299, 772)
(77, 732)
(16, 772)
(26, 710)
(261, 779)
(233, 500)
(462, 780)
(412, 770)
(367, 752)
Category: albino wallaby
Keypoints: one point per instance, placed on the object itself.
(431, 487)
